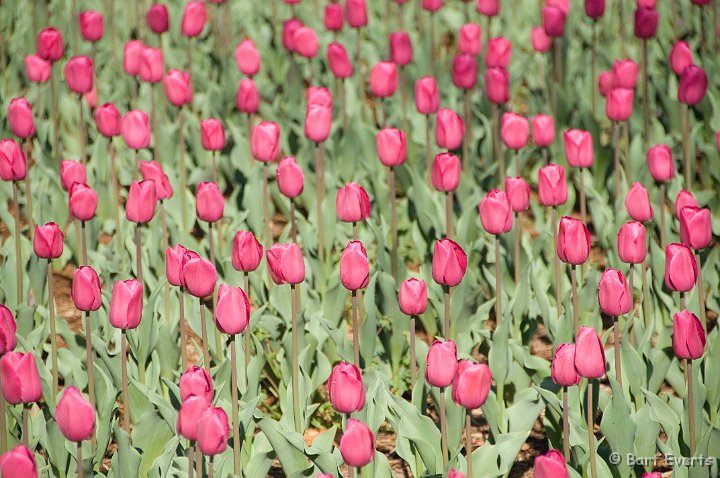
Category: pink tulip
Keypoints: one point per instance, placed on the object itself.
(391, 147)
(178, 87)
(354, 266)
(432, 5)
(471, 384)
(333, 17)
(693, 84)
(83, 202)
(189, 415)
(445, 172)
(401, 51)
(470, 39)
(86, 293)
(212, 134)
(151, 170)
(660, 163)
(265, 141)
(573, 241)
(290, 26)
(126, 304)
(108, 120)
(246, 252)
(135, 128)
(518, 193)
(499, 52)
(495, 212)
(427, 95)
(18, 462)
(71, 172)
(91, 25)
(553, 21)
(497, 85)
(173, 263)
(637, 203)
(75, 416)
(614, 296)
(339, 61)
(209, 202)
(563, 370)
(199, 277)
(624, 74)
(20, 118)
(247, 99)
(543, 130)
(551, 465)
(13, 164)
(589, 354)
(232, 313)
(412, 297)
(688, 336)
(306, 42)
(605, 82)
(132, 57)
(50, 45)
(79, 74)
(442, 363)
(619, 104)
(579, 148)
(357, 445)
(157, 18)
(383, 79)
(193, 19)
(20, 378)
(680, 268)
(552, 188)
(151, 65)
(489, 8)
(684, 199)
(352, 203)
(465, 71)
(346, 388)
(141, 202)
(8, 328)
(680, 57)
(212, 431)
(449, 263)
(515, 130)
(646, 22)
(48, 241)
(449, 129)
(356, 13)
(290, 178)
(318, 122)
(595, 9)
(540, 40)
(247, 58)
(37, 69)
(695, 227)
(286, 264)
(196, 381)
(631, 243)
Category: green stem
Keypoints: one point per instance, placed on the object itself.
(591, 429)
(237, 444)
(393, 224)
(443, 428)
(616, 348)
(53, 334)
(691, 404)
(576, 313)
(126, 395)
(295, 362)
(498, 284)
(446, 317)
(203, 324)
(89, 354)
(355, 329)
(18, 250)
(566, 426)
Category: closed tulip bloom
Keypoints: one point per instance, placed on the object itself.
(290, 26)
(412, 297)
(455, 474)
(333, 17)
(614, 296)
(427, 95)
(624, 74)
(495, 212)
(619, 104)
(432, 5)
(20, 378)
(563, 370)
(20, 118)
(8, 328)
(543, 130)
(356, 13)
(573, 242)
(465, 71)
(79, 74)
(553, 21)
(37, 70)
(646, 22)
(247, 58)
(637, 203)
(605, 83)
(441, 363)
(354, 266)
(654, 474)
(157, 18)
(135, 128)
(50, 45)
(265, 141)
(108, 120)
(660, 163)
(449, 263)
(151, 65)
(18, 463)
(246, 252)
(290, 178)
(589, 354)
(132, 57)
(126, 304)
(693, 84)
(339, 61)
(212, 431)
(346, 388)
(688, 336)
(684, 199)
(518, 193)
(141, 202)
(91, 98)
(212, 134)
(247, 99)
(401, 51)
(189, 415)
(232, 313)
(540, 40)
(199, 277)
(352, 203)
(286, 264)
(48, 241)
(515, 130)
(357, 445)
(579, 148)
(306, 42)
(470, 39)
(552, 187)
(680, 57)
(695, 227)
(383, 79)
(680, 268)
(550, 465)
(13, 164)
(178, 87)
(209, 202)
(499, 52)
(449, 129)
(445, 172)
(173, 264)
(152, 170)
(196, 381)
(320, 96)
(471, 384)
(594, 8)
(391, 147)
(83, 202)
(489, 8)
(92, 25)
(497, 85)
(631, 243)
(193, 19)
(75, 416)
(318, 122)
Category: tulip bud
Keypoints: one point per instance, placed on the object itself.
(412, 297)
(174, 257)
(589, 354)
(83, 202)
(684, 199)
(432, 5)
(20, 378)
(107, 120)
(401, 51)
(695, 227)
(212, 431)
(515, 130)
(354, 266)
(471, 384)
(427, 95)
(232, 313)
(18, 462)
(624, 74)
(579, 148)
(441, 363)
(540, 40)
(646, 22)
(265, 141)
(445, 173)
(79, 74)
(449, 129)
(346, 389)
(246, 252)
(247, 58)
(383, 79)
(339, 61)
(495, 212)
(194, 18)
(553, 21)
(20, 118)
(13, 164)
(75, 416)
(637, 203)
(680, 57)
(631, 243)
(470, 39)
(247, 99)
(680, 268)
(614, 296)
(693, 84)
(209, 202)
(157, 18)
(391, 148)
(178, 87)
(86, 294)
(290, 178)
(190, 412)
(357, 445)
(196, 381)
(318, 119)
(551, 465)
(333, 18)
(126, 304)
(50, 45)
(212, 134)
(543, 130)
(497, 85)
(48, 241)
(151, 65)
(356, 13)
(619, 103)
(660, 163)
(8, 340)
(594, 8)
(153, 171)
(605, 83)
(464, 71)
(135, 129)
(455, 474)
(290, 26)
(552, 188)
(688, 336)
(573, 242)
(306, 42)
(132, 57)
(141, 202)
(91, 25)
(499, 52)
(199, 277)
(518, 193)
(286, 264)
(352, 203)
(37, 69)
(563, 370)
(449, 263)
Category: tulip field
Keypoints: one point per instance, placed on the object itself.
(359, 238)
